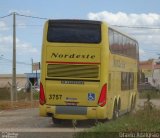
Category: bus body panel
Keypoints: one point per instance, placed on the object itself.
(72, 75)
(72, 94)
(91, 112)
(74, 80)
(118, 65)
(73, 54)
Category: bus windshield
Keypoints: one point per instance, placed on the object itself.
(74, 32)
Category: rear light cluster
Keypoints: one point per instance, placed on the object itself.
(103, 97)
(42, 99)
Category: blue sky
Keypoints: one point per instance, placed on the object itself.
(29, 31)
(79, 8)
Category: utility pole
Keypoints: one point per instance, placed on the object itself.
(14, 87)
(32, 64)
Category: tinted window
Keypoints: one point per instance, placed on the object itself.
(74, 32)
(122, 45)
(127, 80)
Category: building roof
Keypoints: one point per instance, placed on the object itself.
(26, 75)
(32, 75)
(157, 64)
(150, 64)
(146, 64)
(10, 75)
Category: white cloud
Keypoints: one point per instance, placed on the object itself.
(121, 18)
(25, 12)
(21, 23)
(148, 38)
(6, 43)
(24, 52)
(141, 52)
(3, 26)
(26, 48)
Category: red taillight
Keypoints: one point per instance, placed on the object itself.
(102, 98)
(42, 99)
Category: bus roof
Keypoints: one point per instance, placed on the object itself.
(74, 21)
(51, 21)
(117, 30)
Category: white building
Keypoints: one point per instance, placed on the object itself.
(156, 74)
(6, 80)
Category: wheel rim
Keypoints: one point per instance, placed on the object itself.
(116, 112)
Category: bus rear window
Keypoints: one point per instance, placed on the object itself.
(74, 32)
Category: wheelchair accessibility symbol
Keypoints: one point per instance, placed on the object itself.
(91, 97)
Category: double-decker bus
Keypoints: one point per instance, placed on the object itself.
(88, 71)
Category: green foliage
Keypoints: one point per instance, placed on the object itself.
(21, 95)
(152, 93)
(143, 120)
(24, 95)
(36, 95)
(4, 94)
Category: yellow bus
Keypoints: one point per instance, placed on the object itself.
(88, 71)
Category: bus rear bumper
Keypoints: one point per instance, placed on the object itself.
(73, 112)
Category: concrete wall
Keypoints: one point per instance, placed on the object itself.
(156, 78)
(5, 79)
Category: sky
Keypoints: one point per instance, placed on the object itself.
(144, 15)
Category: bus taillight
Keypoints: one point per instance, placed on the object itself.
(42, 96)
(102, 98)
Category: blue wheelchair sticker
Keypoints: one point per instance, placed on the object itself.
(91, 97)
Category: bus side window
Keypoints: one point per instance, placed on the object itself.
(123, 81)
(124, 45)
(131, 80)
(120, 44)
(116, 43)
(111, 40)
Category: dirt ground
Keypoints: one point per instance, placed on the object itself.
(7, 105)
(29, 122)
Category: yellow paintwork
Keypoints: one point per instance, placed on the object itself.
(92, 113)
(93, 51)
(108, 63)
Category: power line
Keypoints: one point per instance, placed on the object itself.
(30, 25)
(44, 18)
(152, 50)
(137, 27)
(26, 25)
(5, 16)
(29, 16)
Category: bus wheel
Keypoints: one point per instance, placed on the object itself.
(133, 104)
(56, 121)
(115, 112)
(74, 123)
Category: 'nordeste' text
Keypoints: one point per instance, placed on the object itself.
(84, 56)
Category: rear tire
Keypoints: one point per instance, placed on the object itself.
(56, 121)
(134, 102)
(115, 111)
(132, 105)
